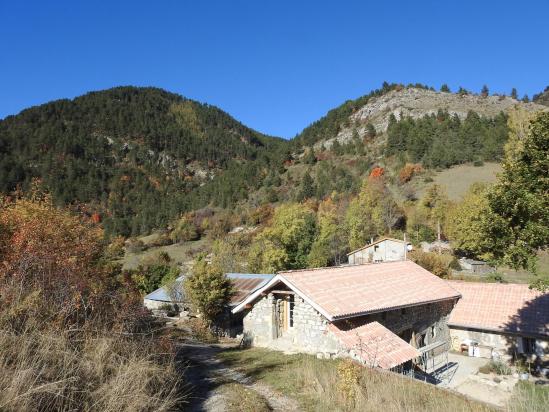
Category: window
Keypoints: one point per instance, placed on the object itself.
(529, 345)
(403, 311)
(376, 248)
(291, 304)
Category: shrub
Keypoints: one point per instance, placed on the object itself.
(185, 230)
(437, 264)
(72, 328)
(208, 289)
(115, 249)
(134, 245)
(409, 171)
(348, 377)
(497, 367)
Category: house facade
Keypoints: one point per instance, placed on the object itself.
(381, 314)
(501, 320)
(383, 250)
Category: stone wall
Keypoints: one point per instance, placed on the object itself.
(428, 323)
(309, 333)
(496, 345)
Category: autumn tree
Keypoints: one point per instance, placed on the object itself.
(372, 213)
(286, 242)
(330, 243)
(53, 271)
(208, 289)
(467, 222)
(520, 199)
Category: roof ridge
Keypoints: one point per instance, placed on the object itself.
(341, 266)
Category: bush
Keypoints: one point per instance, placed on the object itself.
(438, 265)
(72, 328)
(497, 367)
(185, 230)
(208, 289)
(134, 245)
(409, 171)
(115, 249)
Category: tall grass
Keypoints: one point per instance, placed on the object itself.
(340, 385)
(46, 371)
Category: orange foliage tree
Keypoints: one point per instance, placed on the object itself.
(377, 172)
(51, 268)
(408, 171)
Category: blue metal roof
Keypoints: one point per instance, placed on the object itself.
(161, 294)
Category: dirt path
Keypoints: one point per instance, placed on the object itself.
(206, 374)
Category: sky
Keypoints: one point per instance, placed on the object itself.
(276, 66)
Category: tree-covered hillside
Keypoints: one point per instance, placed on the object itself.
(136, 156)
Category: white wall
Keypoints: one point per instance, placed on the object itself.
(385, 251)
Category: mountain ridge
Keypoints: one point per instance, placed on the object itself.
(140, 156)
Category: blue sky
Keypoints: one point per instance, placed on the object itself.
(276, 66)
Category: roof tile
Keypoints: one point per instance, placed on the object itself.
(351, 290)
(375, 345)
(510, 308)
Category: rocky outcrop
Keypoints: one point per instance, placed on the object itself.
(417, 103)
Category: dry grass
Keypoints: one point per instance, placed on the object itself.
(457, 179)
(44, 371)
(180, 253)
(320, 385)
(529, 397)
(241, 399)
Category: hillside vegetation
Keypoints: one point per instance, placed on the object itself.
(136, 156)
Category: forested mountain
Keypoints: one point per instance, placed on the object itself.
(136, 156)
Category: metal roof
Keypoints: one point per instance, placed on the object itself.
(161, 294)
(243, 283)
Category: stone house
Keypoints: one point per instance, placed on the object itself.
(381, 314)
(383, 250)
(501, 320)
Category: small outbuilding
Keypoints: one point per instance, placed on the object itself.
(501, 320)
(382, 250)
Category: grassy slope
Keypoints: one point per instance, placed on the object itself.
(315, 384)
(458, 179)
(181, 253)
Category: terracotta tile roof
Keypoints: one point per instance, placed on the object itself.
(375, 345)
(347, 291)
(509, 308)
